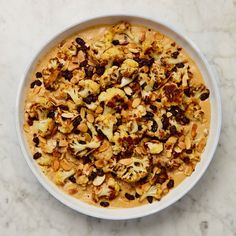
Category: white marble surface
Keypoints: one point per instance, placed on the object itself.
(27, 209)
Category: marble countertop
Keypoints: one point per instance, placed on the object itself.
(27, 209)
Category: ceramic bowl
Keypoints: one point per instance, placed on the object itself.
(176, 193)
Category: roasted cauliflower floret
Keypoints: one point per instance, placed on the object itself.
(108, 190)
(112, 53)
(74, 95)
(78, 147)
(44, 127)
(153, 191)
(88, 87)
(61, 176)
(129, 67)
(132, 169)
(105, 123)
(111, 93)
(155, 147)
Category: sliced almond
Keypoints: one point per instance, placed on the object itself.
(99, 163)
(72, 191)
(55, 165)
(99, 110)
(87, 137)
(136, 102)
(128, 90)
(83, 127)
(90, 118)
(194, 130)
(65, 165)
(105, 145)
(126, 161)
(99, 180)
(67, 115)
(187, 142)
(201, 145)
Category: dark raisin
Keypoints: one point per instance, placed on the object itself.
(86, 160)
(143, 85)
(30, 122)
(92, 176)
(154, 126)
(76, 131)
(82, 142)
(38, 82)
(155, 85)
(158, 100)
(51, 114)
(89, 71)
(140, 127)
(170, 183)
(175, 54)
(32, 84)
(36, 141)
(115, 42)
(100, 70)
(67, 74)
(37, 155)
(80, 41)
(84, 48)
(89, 99)
(137, 195)
(188, 151)
(104, 204)
(129, 196)
(187, 92)
(153, 107)
(77, 121)
(64, 107)
(72, 179)
(204, 96)
(186, 160)
(165, 122)
(185, 120)
(100, 172)
(180, 65)
(78, 108)
(173, 44)
(83, 63)
(150, 199)
(149, 115)
(38, 75)
(173, 130)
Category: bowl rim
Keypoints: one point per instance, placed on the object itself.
(93, 211)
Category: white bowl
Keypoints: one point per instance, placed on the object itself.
(176, 193)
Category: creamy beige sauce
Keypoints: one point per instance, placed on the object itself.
(90, 35)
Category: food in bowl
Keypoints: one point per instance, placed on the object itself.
(117, 115)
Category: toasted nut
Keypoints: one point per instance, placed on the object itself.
(87, 137)
(63, 143)
(128, 90)
(187, 142)
(201, 145)
(136, 102)
(65, 165)
(99, 180)
(83, 127)
(194, 131)
(99, 163)
(181, 145)
(67, 115)
(82, 112)
(55, 165)
(72, 191)
(188, 170)
(126, 161)
(90, 118)
(99, 110)
(105, 145)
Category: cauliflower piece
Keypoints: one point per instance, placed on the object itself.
(89, 86)
(78, 147)
(132, 169)
(129, 67)
(153, 191)
(105, 124)
(49, 146)
(44, 160)
(108, 190)
(61, 176)
(44, 127)
(125, 81)
(155, 148)
(112, 54)
(74, 95)
(107, 95)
